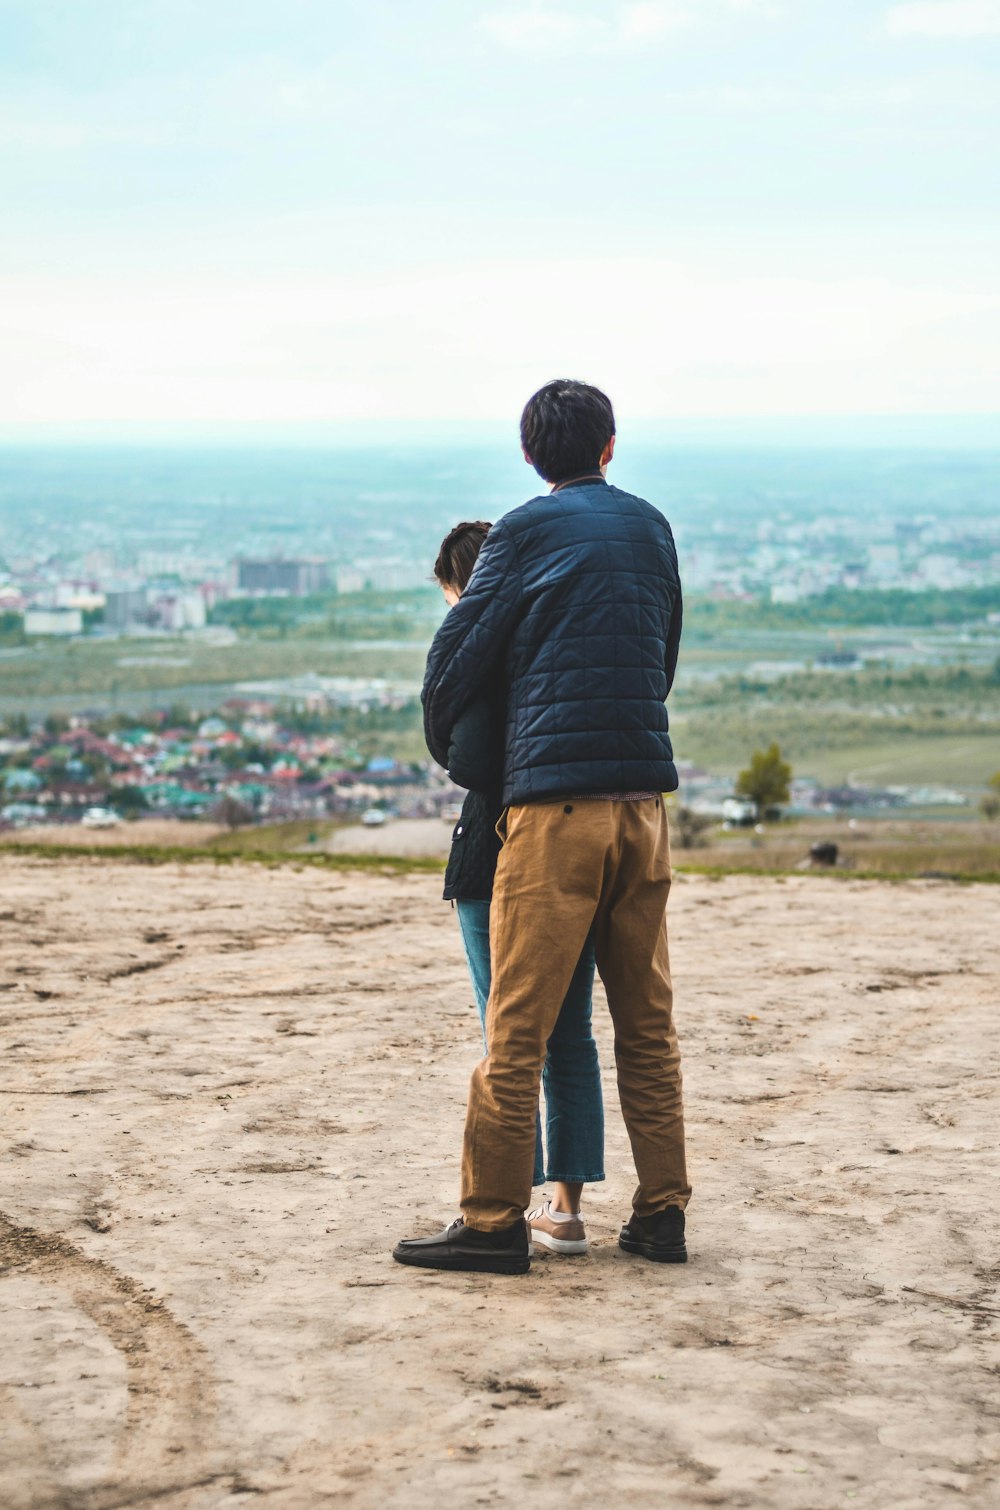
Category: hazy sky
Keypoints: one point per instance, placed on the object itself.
(232, 210)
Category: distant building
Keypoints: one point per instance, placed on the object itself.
(939, 570)
(18, 780)
(883, 558)
(786, 592)
(178, 611)
(180, 564)
(78, 595)
(381, 576)
(297, 578)
(397, 576)
(99, 563)
(125, 605)
(350, 579)
(53, 621)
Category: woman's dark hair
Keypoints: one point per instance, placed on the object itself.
(564, 429)
(459, 552)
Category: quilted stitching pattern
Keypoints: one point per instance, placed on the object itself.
(576, 598)
(475, 848)
(475, 761)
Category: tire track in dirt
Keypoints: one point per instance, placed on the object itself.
(165, 1450)
(21, 1442)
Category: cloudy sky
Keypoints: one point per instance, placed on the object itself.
(310, 210)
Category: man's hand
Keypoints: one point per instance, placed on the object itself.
(472, 639)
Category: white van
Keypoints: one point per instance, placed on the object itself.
(100, 817)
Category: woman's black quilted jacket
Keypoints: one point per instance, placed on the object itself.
(475, 761)
(576, 600)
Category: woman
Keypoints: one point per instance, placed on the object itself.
(571, 1077)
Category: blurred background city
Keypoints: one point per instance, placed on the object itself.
(278, 281)
(240, 638)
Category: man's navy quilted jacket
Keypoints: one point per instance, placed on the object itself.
(576, 599)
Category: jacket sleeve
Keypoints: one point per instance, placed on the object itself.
(475, 754)
(674, 637)
(472, 639)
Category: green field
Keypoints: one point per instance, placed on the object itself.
(873, 726)
(106, 669)
(890, 847)
(887, 850)
(962, 762)
(923, 709)
(165, 854)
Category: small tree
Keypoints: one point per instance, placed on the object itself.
(232, 812)
(765, 780)
(129, 801)
(690, 828)
(989, 805)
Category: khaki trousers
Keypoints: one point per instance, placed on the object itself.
(566, 866)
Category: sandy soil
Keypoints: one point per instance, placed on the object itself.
(225, 1093)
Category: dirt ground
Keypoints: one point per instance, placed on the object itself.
(226, 1093)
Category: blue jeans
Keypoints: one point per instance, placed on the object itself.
(571, 1077)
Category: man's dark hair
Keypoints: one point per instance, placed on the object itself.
(459, 552)
(564, 429)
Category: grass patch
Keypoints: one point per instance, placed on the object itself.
(170, 854)
(274, 838)
(778, 869)
(890, 848)
(842, 873)
(892, 863)
(92, 667)
(875, 759)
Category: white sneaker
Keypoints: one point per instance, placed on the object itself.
(561, 1236)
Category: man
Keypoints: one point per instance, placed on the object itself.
(576, 599)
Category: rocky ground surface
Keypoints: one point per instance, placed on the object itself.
(226, 1092)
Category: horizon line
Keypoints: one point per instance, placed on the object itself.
(977, 430)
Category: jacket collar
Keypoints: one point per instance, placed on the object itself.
(590, 481)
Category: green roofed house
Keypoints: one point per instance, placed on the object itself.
(174, 798)
(19, 780)
(250, 792)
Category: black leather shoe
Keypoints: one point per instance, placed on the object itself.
(659, 1237)
(460, 1247)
